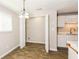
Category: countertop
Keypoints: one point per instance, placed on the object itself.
(65, 33)
(73, 44)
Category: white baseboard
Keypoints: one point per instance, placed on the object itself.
(53, 49)
(9, 51)
(36, 42)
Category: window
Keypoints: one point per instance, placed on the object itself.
(5, 22)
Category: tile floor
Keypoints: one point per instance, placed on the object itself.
(36, 51)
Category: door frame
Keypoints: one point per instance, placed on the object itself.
(22, 33)
(47, 33)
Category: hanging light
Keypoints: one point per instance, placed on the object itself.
(24, 13)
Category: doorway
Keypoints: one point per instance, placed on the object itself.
(34, 30)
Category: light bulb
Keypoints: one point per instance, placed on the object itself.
(26, 14)
(27, 17)
(21, 16)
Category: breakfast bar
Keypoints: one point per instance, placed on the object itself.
(72, 49)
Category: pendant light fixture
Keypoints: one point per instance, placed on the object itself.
(24, 13)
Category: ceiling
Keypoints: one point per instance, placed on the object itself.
(37, 5)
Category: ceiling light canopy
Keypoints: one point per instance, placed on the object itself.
(23, 12)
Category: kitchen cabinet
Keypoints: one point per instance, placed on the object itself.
(61, 21)
(71, 18)
(67, 19)
(71, 37)
(62, 39)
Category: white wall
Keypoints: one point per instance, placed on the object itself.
(9, 40)
(36, 30)
(53, 31)
(52, 26)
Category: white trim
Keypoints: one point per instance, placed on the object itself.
(53, 49)
(22, 32)
(36, 42)
(46, 33)
(8, 51)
